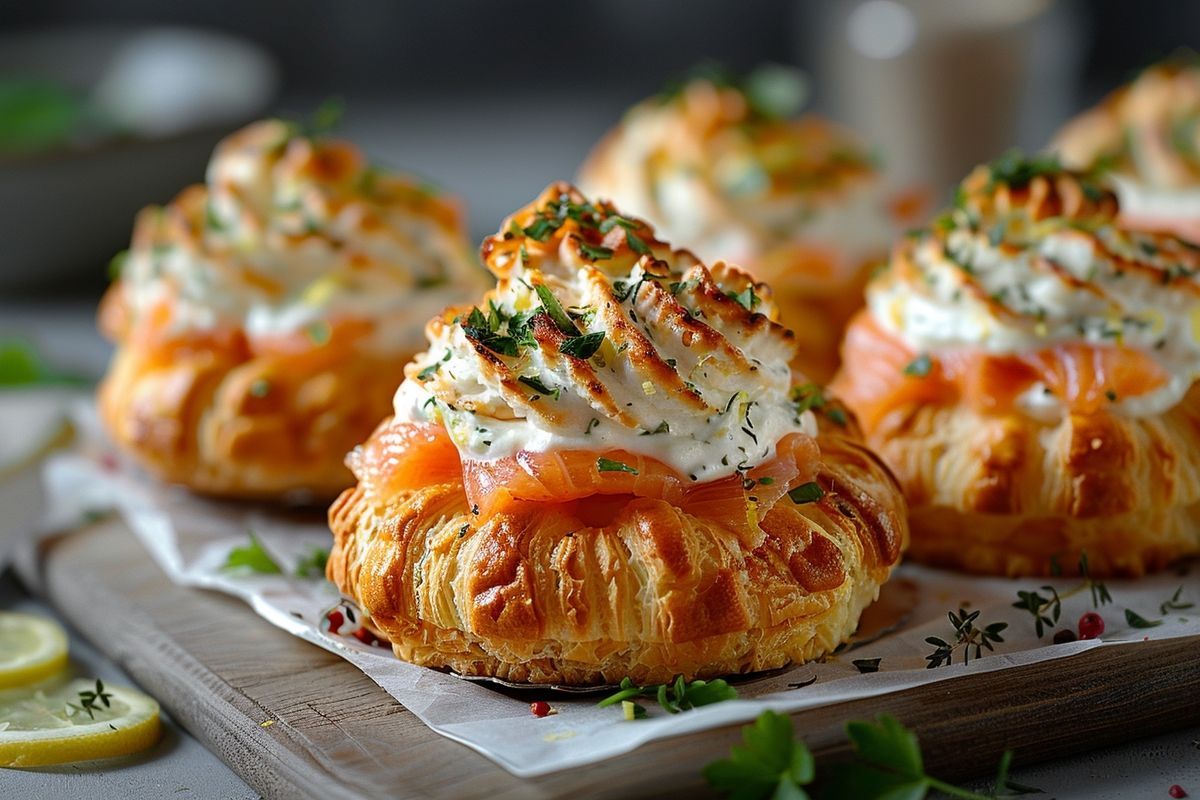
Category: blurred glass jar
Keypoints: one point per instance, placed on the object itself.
(942, 85)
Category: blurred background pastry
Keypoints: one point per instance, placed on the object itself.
(262, 318)
(1144, 138)
(720, 166)
(1027, 366)
(602, 470)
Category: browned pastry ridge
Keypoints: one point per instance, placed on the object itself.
(993, 487)
(594, 590)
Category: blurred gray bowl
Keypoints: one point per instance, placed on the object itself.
(166, 95)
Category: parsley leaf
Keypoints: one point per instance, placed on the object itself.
(540, 387)
(252, 558)
(892, 762)
(583, 346)
(920, 366)
(809, 492)
(595, 253)
(608, 465)
(636, 244)
(746, 298)
(555, 310)
(770, 763)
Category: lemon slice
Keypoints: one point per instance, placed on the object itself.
(31, 648)
(40, 727)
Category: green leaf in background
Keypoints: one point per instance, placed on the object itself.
(37, 114)
(253, 557)
(20, 365)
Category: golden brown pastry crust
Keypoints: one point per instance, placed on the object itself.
(1007, 494)
(993, 488)
(284, 222)
(227, 423)
(541, 597)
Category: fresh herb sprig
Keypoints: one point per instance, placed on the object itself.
(887, 763)
(90, 700)
(811, 396)
(1047, 610)
(252, 557)
(967, 637)
(674, 697)
(1174, 604)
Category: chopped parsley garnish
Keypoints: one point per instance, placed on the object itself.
(1015, 169)
(746, 298)
(608, 465)
(809, 492)
(636, 244)
(613, 221)
(261, 387)
(591, 424)
(663, 427)
(583, 346)
(555, 310)
(920, 366)
(539, 386)
(595, 252)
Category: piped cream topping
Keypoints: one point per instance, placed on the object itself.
(290, 230)
(599, 337)
(1029, 260)
(711, 171)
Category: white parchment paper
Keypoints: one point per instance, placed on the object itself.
(190, 538)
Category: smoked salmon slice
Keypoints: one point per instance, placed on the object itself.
(408, 455)
(887, 374)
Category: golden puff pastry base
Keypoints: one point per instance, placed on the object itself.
(1008, 495)
(540, 597)
(268, 427)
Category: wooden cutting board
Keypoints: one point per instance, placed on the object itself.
(222, 672)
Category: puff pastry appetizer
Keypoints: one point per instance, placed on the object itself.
(1027, 367)
(262, 319)
(1144, 138)
(799, 203)
(603, 470)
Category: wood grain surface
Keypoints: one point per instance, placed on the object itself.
(222, 671)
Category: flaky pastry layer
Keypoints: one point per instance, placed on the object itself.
(542, 596)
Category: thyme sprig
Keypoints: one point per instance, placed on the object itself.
(1047, 610)
(90, 700)
(967, 636)
(1173, 604)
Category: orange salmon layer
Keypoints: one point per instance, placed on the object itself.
(320, 342)
(887, 374)
(409, 455)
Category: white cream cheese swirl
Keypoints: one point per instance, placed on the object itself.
(712, 173)
(1029, 261)
(290, 230)
(600, 337)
